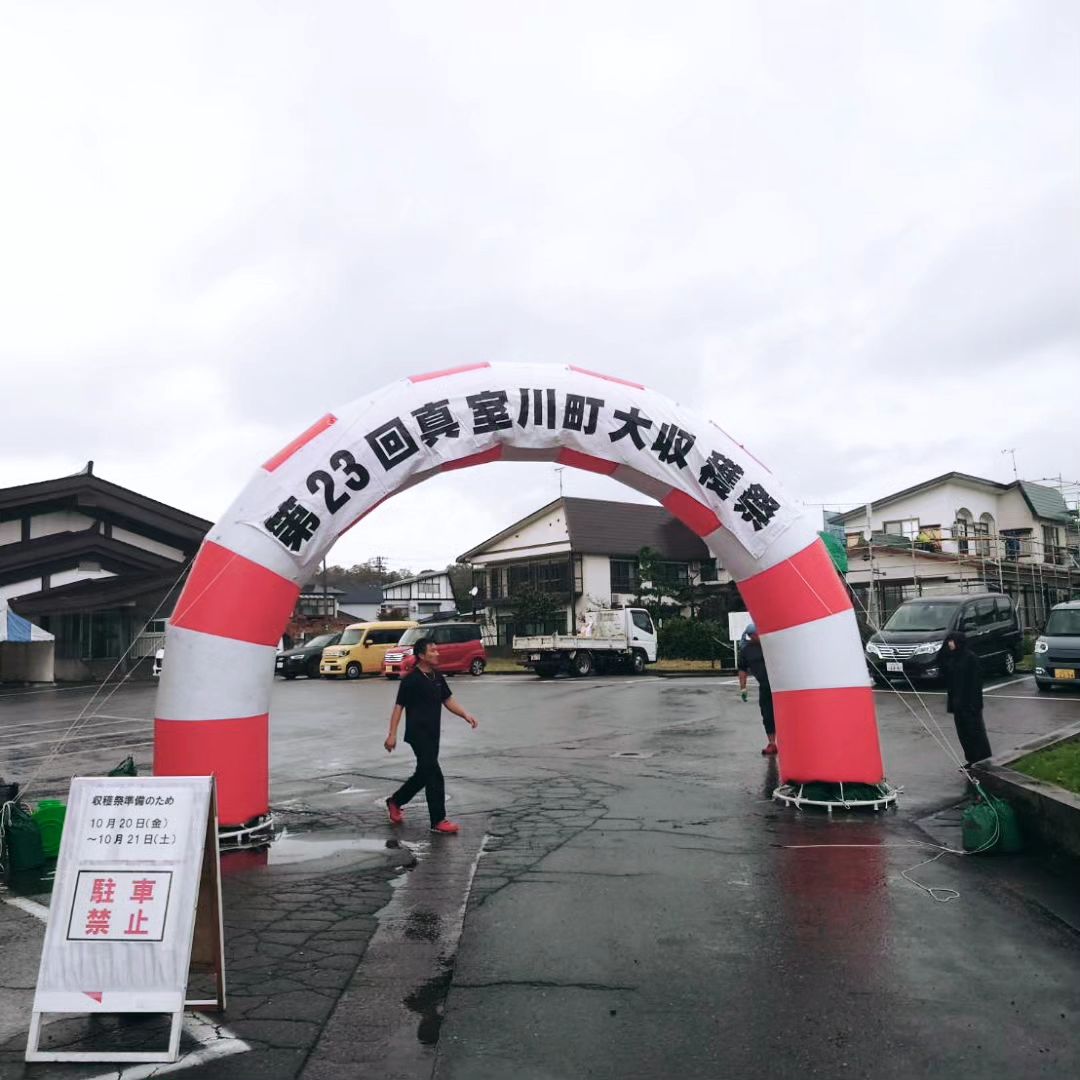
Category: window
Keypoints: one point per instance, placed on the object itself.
(1051, 542)
(315, 606)
(497, 580)
(962, 529)
(969, 620)
(428, 587)
(984, 611)
(672, 575)
(908, 528)
(642, 621)
(442, 635)
(1003, 609)
(708, 570)
(624, 576)
(382, 637)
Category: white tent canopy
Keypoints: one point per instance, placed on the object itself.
(26, 651)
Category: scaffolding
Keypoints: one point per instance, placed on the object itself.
(1036, 572)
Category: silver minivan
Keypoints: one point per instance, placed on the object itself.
(1057, 649)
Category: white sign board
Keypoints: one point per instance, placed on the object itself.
(737, 622)
(136, 877)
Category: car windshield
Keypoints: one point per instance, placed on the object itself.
(922, 615)
(320, 642)
(1064, 623)
(351, 637)
(411, 637)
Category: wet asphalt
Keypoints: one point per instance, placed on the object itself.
(625, 899)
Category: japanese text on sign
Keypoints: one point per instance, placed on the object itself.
(490, 411)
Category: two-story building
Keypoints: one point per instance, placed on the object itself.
(420, 597)
(584, 553)
(958, 532)
(96, 565)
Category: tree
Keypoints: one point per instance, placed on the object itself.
(532, 605)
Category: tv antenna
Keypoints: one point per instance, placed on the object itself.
(1012, 453)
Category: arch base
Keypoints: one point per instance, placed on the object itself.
(832, 797)
(256, 833)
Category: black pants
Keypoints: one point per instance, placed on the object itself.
(765, 704)
(971, 731)
(428, 776)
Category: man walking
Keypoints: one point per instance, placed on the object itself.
(422, 695)
(752, 662)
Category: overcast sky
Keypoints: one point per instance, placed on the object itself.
(848, 232)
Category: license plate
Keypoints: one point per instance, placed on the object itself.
(1064, 673)
(894, 665)
(534, 656)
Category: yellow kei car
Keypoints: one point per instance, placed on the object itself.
(361, 649)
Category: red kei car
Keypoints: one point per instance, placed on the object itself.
(461, 648)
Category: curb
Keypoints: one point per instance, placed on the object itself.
(1049, 814)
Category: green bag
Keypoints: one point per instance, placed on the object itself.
(125, 768)
(985, 819)
(22, 840)
(50, 816)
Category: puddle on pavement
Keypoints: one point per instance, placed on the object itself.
(427, 1002)
(290, 847)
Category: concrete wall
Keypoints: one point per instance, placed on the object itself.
(26, 661)
(125, 536)
(595, 581)
(67, 577)
(60, 521)
(21, 588)
(547, 536)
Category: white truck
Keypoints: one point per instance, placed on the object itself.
(609, 639)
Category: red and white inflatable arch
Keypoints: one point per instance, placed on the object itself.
(213, 704)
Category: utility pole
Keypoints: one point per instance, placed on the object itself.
(1011, 451)
(559, 469)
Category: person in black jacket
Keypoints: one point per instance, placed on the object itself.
(963, 680)
(752, 662)
(422, 695)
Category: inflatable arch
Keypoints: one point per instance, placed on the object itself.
(213, 704)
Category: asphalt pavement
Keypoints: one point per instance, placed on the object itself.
(625, 899)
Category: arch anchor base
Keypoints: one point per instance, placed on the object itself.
(834, 796)
(255, 833)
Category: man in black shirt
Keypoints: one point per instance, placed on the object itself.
(752, 661)
(422, 695)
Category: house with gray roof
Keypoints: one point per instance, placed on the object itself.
(958, 530)
(584, 553)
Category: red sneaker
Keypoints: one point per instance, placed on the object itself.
(394, 812)
(446, 828)
(770, 749)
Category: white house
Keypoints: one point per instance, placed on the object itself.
(584, 552)
(421, 596)
(958, 532)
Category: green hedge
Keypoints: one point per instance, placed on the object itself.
(690, 639)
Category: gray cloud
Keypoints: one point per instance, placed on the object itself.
(847, 233)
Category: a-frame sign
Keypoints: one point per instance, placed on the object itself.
(136, 907)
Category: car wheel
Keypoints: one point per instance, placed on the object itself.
(290, 675)
(1008, 665)
(546, 671)
(313, 670)
(353, 671)
(476, 667)
(1043, 687)
(583, 664)
(637, 662)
